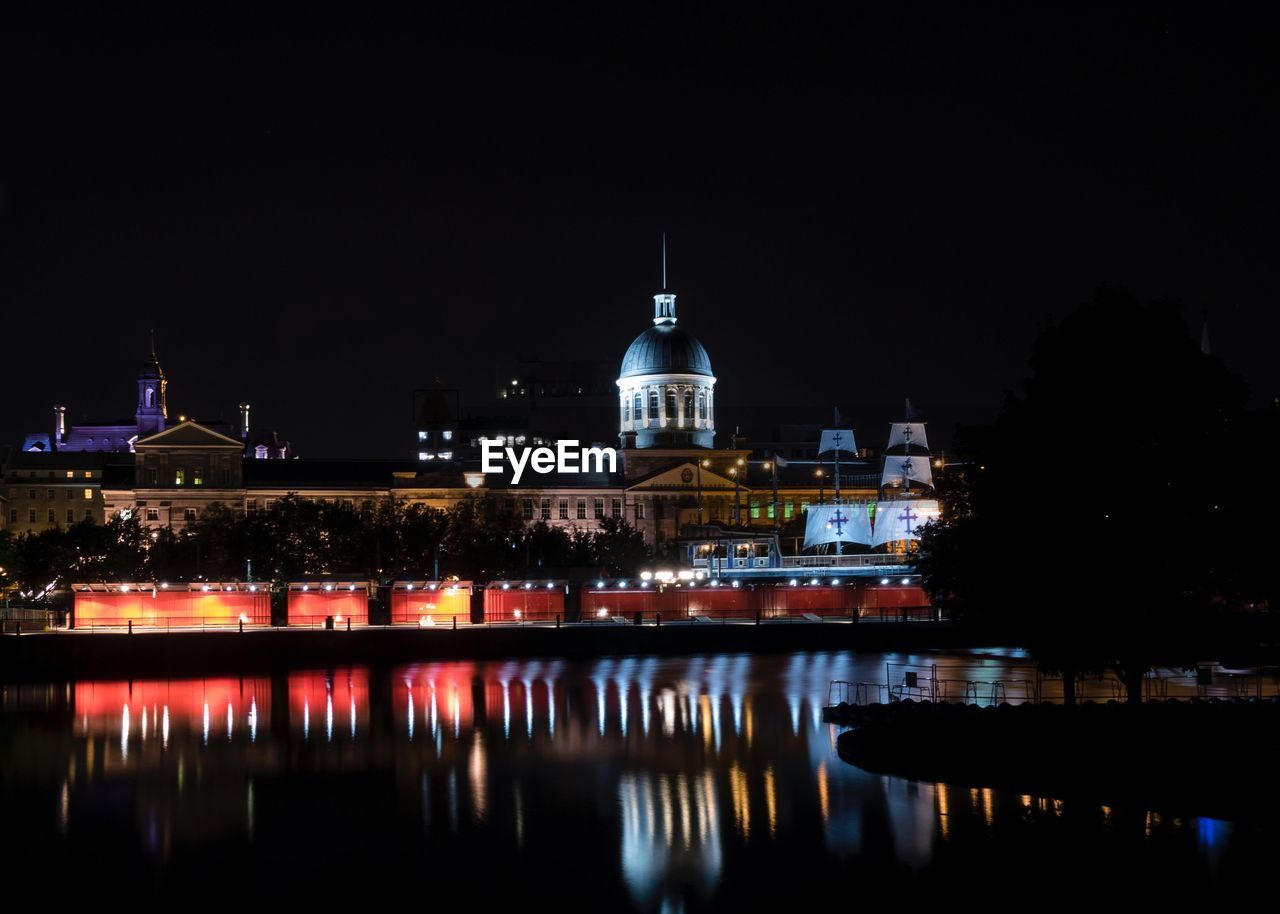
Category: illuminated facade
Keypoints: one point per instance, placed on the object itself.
(169, 472)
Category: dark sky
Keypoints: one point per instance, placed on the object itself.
(318, 212)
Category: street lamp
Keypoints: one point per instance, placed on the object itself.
(819, 474)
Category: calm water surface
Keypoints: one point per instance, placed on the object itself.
(620, 784)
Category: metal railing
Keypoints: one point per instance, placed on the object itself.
(844, 561)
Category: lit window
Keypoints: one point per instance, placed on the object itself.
(179, 476)
(197, 477)
(71, 474)
(426, 455)
(446, 455)
(447, 435)
(423, 436)
(88, 494)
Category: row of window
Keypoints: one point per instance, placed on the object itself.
(52, 494)
(580, 509)
(71, 474)
(251, 504)
(33, 516)
(634, 405)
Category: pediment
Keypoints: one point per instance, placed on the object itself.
(189, 434)
(682, 476)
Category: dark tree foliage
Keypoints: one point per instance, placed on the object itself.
(1101, 520)
(477, 539)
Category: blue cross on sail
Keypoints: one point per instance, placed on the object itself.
(837, 524)
(908, 433)
(900, 469)
(902, 520)
(837, 439)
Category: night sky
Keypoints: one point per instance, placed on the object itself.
(320, 212)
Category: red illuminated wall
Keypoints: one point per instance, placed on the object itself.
(535, 604)
(714, 602)
(171, 608)
(310, 607)
(820, 600)
(620, 602)
(411, 606)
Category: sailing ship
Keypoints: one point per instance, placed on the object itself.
(904, 503)
(900, 512)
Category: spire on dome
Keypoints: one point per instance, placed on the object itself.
(664, 303)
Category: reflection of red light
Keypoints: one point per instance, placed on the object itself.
(170, 608)
(309, 695)
(99, 704)
(449, 683)
(311, 607)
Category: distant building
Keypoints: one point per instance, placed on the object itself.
(42, 491)
(669, 476)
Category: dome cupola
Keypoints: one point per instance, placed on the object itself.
(665, 385)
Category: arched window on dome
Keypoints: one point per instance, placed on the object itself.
(637, 404)
(626, 408)
(671, 406)
(688, 405)
(702, 405)
(653, 406)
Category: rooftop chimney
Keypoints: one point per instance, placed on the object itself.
(244, 421)
(59, 426)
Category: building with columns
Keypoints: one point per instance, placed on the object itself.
(666, 391)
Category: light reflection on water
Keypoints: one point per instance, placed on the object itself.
(680, 782)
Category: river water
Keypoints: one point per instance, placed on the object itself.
(641, 783)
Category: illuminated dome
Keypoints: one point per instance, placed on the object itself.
(665, 387)
(666, 348)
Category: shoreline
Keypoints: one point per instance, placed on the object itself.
(1212, 758)
(42, 656)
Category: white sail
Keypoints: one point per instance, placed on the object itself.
(902, 520)
(837, 524)
(837, 439)
(911, 433)
(900, 469)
